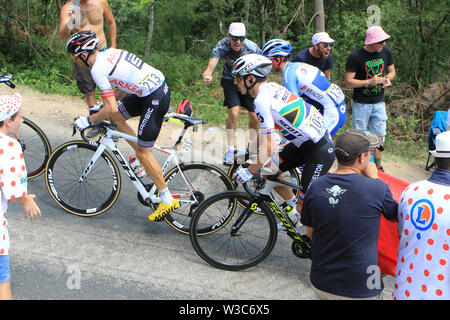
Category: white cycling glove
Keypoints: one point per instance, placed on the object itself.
(95, 108)
(243, 175)
(82, 123)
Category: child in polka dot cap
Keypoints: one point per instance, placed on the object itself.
(13, 181)
(423, 261)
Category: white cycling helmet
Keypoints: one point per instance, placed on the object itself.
(276, 48)
(252, 64)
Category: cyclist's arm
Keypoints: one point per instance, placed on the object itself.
(267, 144)
(109, 108)
(119, 94)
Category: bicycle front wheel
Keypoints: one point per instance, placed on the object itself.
(35, 146)
(291, 176)
(191, 185)
(90, 196)
(244, 241)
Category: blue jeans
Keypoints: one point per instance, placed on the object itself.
(370, 117)
(5, 273)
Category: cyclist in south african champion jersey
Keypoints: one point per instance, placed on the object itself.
(123, 70)
(279, 109)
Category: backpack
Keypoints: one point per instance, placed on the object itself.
(438, 125)
(185, 107)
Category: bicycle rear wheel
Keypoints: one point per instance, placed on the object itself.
(99, 190)
(244, 241)
(191, 186)
(36, 147)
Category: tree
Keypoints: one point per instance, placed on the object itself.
(319, 16)
(151, 22)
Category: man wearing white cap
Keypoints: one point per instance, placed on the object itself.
(368, 71)
(319, 55)
(230, 49)
(13, 182)
(424, 226)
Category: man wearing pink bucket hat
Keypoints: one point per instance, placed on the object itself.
(13, 182)
(368, 71)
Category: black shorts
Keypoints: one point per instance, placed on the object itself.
(233, 96)
(83, 76)
(316, 159)
(151, 109)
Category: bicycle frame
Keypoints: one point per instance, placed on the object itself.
(108, 142)
(265, 194)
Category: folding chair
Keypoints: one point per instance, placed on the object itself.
(438, 125)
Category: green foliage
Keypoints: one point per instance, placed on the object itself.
(185, 31)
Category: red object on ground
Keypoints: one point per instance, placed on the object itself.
(388, 239)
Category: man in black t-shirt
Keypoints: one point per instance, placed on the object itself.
(342, 212)
(368, 71)
(319, 55)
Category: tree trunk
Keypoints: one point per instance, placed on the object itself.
(246, 12)
(151, 21)
(262, 22)
(319, 16)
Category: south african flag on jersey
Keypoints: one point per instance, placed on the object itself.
(295, 111)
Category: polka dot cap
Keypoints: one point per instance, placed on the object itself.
(9, 105)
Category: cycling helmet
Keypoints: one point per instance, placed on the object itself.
(276, 48)
(83, 41)
(252, 64)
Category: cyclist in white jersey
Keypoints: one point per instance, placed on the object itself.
(299, 122)
(308, 82)
(141, 91)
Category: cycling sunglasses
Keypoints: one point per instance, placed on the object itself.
(236, 38)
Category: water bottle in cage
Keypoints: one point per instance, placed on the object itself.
(137, 168)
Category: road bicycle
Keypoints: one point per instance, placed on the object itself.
(83, 178)
(242, 158)
(35, 144)
(250, 231)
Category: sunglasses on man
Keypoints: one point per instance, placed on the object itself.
(235, 38)
(325, 45)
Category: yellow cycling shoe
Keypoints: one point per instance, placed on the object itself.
(163, 209)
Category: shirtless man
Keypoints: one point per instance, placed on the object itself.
(89, 15)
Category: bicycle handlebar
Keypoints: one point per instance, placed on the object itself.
(6, 79)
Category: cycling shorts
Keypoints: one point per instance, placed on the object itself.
(5, 273)
(151, 110)
(233, 96)
(335, 117)
(316, 159)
